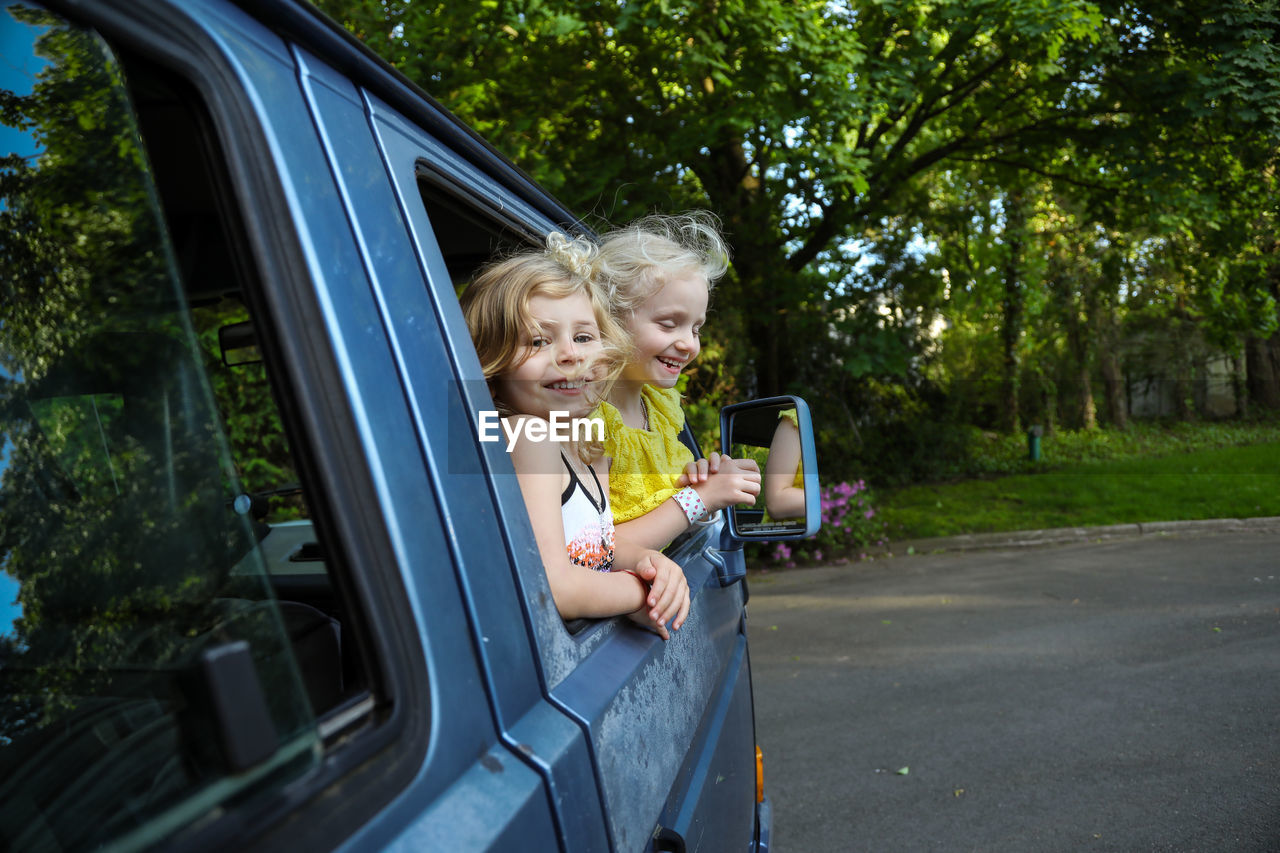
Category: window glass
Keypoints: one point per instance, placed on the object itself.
(147, 674)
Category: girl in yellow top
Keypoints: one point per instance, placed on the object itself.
(658, 273)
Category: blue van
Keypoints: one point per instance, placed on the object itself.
(261, 585)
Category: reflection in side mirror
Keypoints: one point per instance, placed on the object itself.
(778, 434)
(239, 344)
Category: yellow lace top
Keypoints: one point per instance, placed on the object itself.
(646, 464)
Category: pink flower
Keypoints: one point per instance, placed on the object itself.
(871, 513)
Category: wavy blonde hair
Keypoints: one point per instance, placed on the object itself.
(639, 258)
(496, 308)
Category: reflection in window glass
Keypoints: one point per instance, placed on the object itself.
(131, 590)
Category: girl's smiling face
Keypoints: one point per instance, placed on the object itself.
(558, 369)
(665, 330)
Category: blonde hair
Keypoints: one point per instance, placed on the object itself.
(639, 258)
(496, 308)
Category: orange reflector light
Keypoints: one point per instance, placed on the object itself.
(759, 775)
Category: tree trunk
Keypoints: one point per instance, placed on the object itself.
(1083, 412)
(1181, 391)
(1238, 389)
(1262, 355)
(1113, 381)
(762, 274)
(1088, 410)
(1011, 309)
(1262, 368)
(1048, 408)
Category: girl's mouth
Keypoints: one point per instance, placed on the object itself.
(568, 386)
(671, 364)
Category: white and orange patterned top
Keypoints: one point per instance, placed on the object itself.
(588, 524)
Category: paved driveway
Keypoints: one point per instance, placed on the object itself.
(1119, 696)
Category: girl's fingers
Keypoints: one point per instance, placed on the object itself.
(682, 615)
(656, 592)
(659, 596)
(694, 473)
(679, 608)
(658, 586)
(668, 605)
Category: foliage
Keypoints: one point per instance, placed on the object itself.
(1008, 454)
(850, 526)
(114, 513)
(1117, 483)
(864, 156)
(248, 414)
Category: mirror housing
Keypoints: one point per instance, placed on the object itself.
(789, 506)
(238, 343)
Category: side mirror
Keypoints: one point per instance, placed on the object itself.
(239, 344)
(778, 433)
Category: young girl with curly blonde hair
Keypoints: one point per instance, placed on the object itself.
(658, 273)
(548, 344)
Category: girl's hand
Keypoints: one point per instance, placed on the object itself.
(736, 482)
(668, 599)
(697, 472)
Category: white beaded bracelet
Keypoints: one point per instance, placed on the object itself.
(691, 502)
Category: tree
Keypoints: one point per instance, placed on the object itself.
(800, 123)
(817, 129)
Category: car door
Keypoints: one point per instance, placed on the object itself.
(633, 738)
(369, 140)
(666, 728)
(263, 206)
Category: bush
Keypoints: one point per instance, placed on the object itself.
(850, 525)
(917, 450)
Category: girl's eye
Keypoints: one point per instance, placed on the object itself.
(583, 338)
(667, 324)
(538, 343)
(697, 331)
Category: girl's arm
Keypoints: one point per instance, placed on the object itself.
(656, 528)
(668, 599)
(668, 602)
(781, 497)
(579, 593)
(734, 481)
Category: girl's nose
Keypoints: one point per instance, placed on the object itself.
(570, 352)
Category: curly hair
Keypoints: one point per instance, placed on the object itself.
(496, 308)
(639, 258)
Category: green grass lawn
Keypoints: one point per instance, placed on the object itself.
(1184, 483)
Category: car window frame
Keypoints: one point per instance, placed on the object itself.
(375, 766)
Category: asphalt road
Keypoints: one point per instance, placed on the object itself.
(1114, 696)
